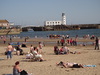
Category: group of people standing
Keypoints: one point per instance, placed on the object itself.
(63, 41)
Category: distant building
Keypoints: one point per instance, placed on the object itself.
(63, 19)
(11, 24)
(4, 24)
(51, 23)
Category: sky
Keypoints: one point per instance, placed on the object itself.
(35, 12)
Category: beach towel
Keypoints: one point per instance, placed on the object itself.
(89, 65)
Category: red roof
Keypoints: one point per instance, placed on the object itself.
(4, 21)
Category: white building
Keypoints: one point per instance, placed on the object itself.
(63, 19)
(51, 23)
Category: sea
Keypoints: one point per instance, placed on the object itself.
(71, 33)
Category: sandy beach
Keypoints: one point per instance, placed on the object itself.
(87, 56)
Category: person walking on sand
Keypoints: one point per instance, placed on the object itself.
(9, 51)
(97, 43)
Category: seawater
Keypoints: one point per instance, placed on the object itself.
(71, 33)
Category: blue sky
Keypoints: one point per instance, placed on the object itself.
(35, 12)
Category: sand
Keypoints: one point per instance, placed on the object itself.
(87, 56)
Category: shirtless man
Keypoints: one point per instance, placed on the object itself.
(70, 65)
(9, 51)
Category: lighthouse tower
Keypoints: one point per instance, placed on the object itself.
(63, 19)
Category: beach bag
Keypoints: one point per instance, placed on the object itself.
(23, 72)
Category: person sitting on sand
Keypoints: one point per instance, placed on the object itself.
(23, 45)
(70, 65)
(40, 47)
(37, 55)
(67, 51)
(31, 48)
(64, 50)
(17, 70)
(19, 50)
(29, 55)
(56, 50)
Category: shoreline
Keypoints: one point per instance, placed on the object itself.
(46, 41)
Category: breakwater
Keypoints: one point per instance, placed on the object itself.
(63, 27)
(9, 31)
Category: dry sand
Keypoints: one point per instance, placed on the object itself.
(88, 56)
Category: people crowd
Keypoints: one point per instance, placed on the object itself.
(36, 52)
(70, 41)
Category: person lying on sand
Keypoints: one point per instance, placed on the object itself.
(70, 65)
